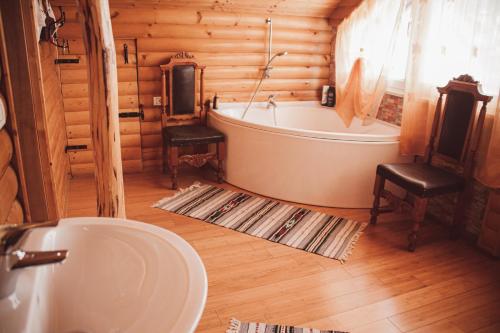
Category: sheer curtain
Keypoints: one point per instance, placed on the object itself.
(363, 50)
(449, 38)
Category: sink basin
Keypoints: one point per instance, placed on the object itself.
(120, 276)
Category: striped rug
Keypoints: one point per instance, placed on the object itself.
(300, 228)
(237, 326)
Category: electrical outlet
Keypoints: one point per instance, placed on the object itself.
(157, 100)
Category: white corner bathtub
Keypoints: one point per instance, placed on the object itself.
(309, 157)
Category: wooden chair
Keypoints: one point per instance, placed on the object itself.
(179, 77)
(454, 140)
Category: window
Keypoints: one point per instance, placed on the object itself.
(397, 72)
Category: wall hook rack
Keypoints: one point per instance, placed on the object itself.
(49, 31)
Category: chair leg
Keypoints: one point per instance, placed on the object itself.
(164, 158)
(377, 191)
(173, 164)
(221, 156)
(418, 215)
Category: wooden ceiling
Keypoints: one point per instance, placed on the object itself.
(336, 10)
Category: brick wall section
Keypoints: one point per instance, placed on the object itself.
(441, 208)
(391, 109)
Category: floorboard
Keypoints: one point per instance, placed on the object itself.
(445, 286)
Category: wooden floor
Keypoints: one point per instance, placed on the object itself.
(445, 286)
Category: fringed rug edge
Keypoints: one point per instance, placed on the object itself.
(176, 194)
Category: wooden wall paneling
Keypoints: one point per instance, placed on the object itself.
(81, 156)
(245, 85)
(172, 15)
(254, 72)
(342, 11)
(23, 83)
(130, 128)
(82, 103)
(81, 141)
(152, 58)
(296, 95)
(6, 150)
(8, 189)
(75, 92)
(103, 103)
(228, 46)
(489, 238)
(82, 169)
(200, 31)
(311, 8)
(11, 211)
(232, 45)
(78, 131)
(55, 122)
(76, 104)
(79, 75)
(245, 72)
(16, 214)
(77, 117)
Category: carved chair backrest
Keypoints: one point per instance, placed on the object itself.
(178, 90)
(457, 127)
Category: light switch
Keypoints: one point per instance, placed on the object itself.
(157, 100)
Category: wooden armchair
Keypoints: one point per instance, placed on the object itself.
(179, 78)
(454, 139)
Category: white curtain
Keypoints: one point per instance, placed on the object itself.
(363, 50)
(450, 38)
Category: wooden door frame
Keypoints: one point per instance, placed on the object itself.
(24, 92)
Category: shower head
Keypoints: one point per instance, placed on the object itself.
(283, 53)
(268, 65)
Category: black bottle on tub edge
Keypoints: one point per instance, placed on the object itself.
(330, 97)
(215, 104)
(324, 93)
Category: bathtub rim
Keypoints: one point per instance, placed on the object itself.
(337, 136)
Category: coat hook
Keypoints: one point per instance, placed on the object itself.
(125, 53)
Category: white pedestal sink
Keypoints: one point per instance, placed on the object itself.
(120, 276)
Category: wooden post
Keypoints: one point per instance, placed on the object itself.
(103, 106)
(377, 193)
(418, 215)
(163, 93)
(202, 96)
(434, 130)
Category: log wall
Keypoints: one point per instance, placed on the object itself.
(55, 124)
(232, 45)
(10, 208)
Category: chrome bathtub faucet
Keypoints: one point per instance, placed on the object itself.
(12, 257)
(271, 102)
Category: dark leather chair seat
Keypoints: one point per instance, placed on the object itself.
(421, 179)
(191, 134)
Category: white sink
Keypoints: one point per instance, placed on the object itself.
(120, 276)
